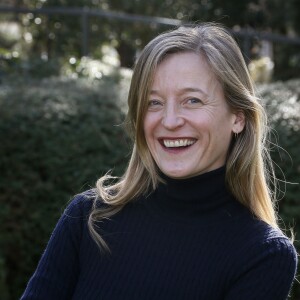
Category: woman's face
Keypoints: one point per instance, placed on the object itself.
(188, 124)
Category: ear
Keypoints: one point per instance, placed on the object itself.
(239, 122)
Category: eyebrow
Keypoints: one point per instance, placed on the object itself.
(182, 91)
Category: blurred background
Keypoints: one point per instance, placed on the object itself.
(65, 68)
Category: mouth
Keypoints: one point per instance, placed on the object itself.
(177, 143)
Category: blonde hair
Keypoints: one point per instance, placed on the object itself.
(248, 167)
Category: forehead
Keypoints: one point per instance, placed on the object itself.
(184, 70)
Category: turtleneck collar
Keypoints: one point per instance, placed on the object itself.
(202, 195)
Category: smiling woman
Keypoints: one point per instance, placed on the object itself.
(189, 125)
(193, 216)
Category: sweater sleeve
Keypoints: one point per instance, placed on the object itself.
(58, 269)
(268, 274)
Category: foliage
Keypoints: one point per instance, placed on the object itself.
(282, 100)
(57, 136)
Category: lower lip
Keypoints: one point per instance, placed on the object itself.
(176, 150)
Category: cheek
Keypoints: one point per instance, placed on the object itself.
(150, 123)
(148, 131)
(216, 125)
(203, 123)
(223, 132)
(147, 125)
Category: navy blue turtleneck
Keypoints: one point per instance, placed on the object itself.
(189, 239)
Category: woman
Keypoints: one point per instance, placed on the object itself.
(193, 215)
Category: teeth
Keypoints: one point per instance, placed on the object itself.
(178, 143)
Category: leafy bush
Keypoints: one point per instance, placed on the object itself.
(59, 135)
(282, 100)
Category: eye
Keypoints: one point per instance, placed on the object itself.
(194, 101)
(154, 103)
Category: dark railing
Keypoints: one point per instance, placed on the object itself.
(246, 34)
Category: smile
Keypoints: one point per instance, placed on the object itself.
(178, 143)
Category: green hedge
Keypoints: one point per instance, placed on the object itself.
(59, 135)
(282, 101)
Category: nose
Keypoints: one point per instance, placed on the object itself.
(172, 118)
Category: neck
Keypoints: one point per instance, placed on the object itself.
(190, 198)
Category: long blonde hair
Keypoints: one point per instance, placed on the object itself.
(248, 168)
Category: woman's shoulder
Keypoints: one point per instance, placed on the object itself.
(81, 204)
(272, 241)
(251, 228)
(264, 257)
(252, 238)
(262, 253)
(261, 241)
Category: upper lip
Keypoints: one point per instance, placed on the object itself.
(176, 138)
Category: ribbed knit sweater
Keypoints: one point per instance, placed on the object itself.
(189, 239)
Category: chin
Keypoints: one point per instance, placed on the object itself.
(177, 174)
